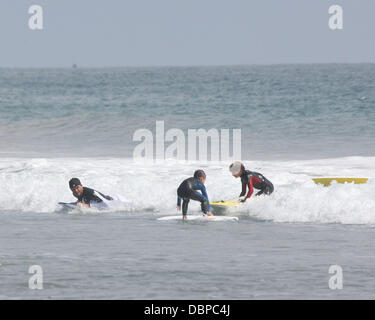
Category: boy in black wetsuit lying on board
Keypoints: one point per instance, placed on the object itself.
(188, 190)
(85, 195)
(252, 180)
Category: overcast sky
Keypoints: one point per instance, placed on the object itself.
(102, 33)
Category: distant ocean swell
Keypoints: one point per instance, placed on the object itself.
(284, 111)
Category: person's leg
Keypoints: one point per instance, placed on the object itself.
(269, 188)
(185, 204)
(199, 197)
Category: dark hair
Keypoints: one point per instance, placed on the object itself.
(199, 173)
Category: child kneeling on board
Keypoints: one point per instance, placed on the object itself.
(188, 189)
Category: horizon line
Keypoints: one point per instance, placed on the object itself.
(76, 66)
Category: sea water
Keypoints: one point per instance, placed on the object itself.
(298, 122)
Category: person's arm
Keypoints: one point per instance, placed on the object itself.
(202, 188)
(243, 192)
(100, 197)
(109, 198)
(178, 203)
(82, 204)
(251, 189)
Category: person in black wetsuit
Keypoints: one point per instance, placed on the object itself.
(251, 180)
(85, 195)
(188, 189)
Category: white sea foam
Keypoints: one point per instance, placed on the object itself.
(36, 185)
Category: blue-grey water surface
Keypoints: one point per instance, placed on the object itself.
(115, 257)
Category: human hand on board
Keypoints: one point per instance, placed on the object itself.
(84, 205)
(242, 199)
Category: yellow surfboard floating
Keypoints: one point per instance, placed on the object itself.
(224, 203)
(327, 181)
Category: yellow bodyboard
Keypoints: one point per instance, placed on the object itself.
(225, 203)
(327, 181)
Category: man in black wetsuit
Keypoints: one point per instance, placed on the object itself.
(85, 195)
(188, 190)
(252, 180)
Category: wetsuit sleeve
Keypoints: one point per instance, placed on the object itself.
(178, 201)
(202, 188)
(243, 192)
(251, 188)
(89, 195)
(104, 196)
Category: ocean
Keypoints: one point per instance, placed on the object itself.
(297, 122)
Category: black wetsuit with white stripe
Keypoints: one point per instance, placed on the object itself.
(89, 195)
